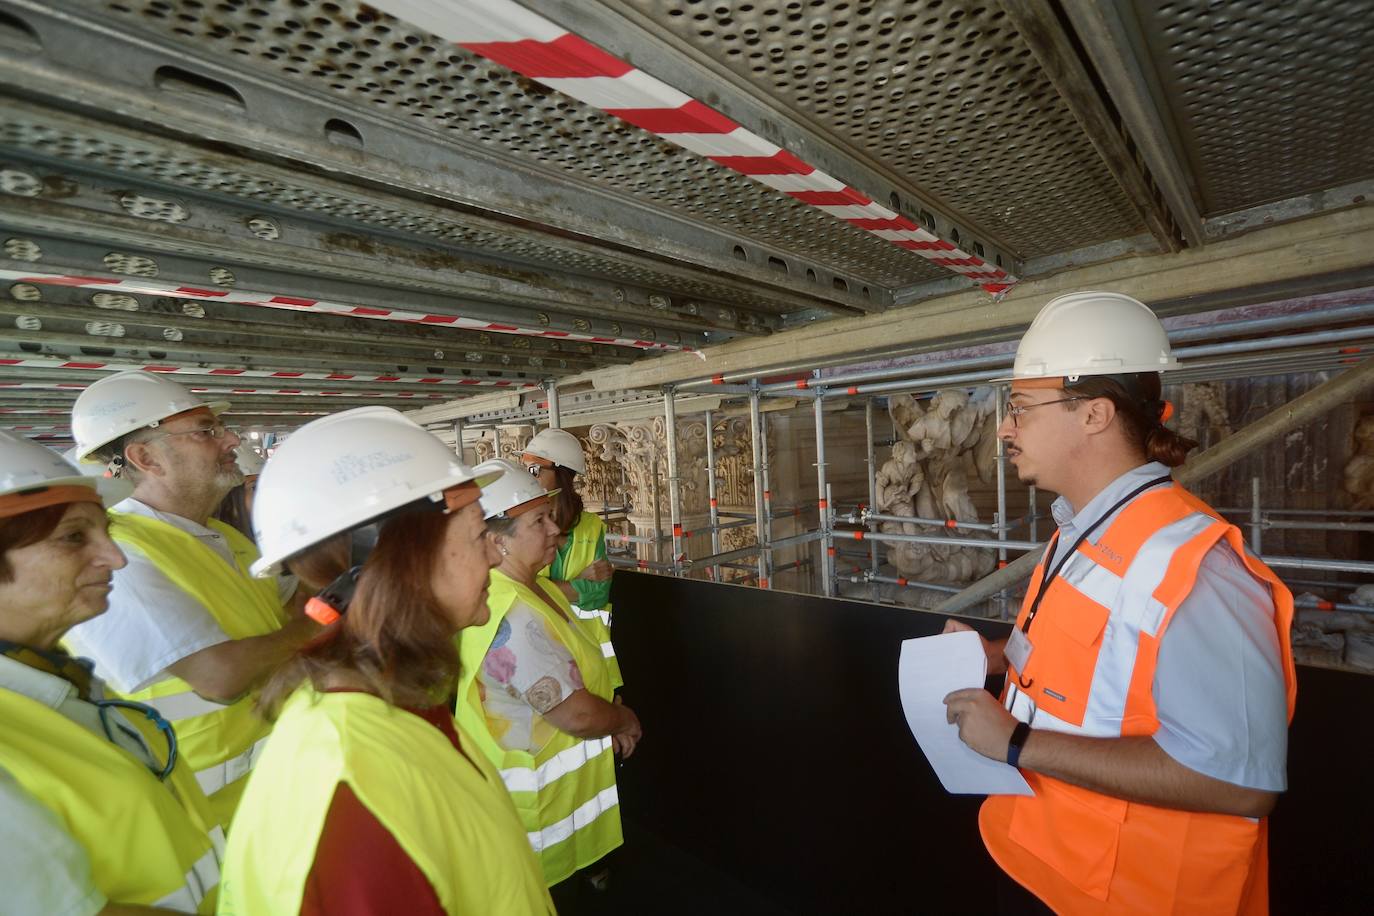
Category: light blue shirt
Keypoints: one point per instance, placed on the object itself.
(1219, 690)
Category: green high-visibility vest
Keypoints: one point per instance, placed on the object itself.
(565, 793)
(449, 814)
(149, 842)
(218, 741)
(585, 544)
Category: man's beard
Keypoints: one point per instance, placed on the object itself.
(228, 478)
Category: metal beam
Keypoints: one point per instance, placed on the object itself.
(1045, 33)
(107, 64)
(1106, 38)
(414, 343)
(67, 238)
(94, 208)
(1298, 254)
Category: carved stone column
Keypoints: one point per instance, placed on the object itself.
(502, 442)
(639, 447)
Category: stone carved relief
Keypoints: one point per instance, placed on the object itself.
(1359, 471)
(1203, 408)
(639, 447)
(734, 465)
(501, 443)
(604, 482)
(927, 477)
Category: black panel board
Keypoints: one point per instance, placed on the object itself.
(775, 752)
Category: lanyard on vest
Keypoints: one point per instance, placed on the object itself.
(1050, 577)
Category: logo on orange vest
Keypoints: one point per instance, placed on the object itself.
(1058, 696)
(1109, 553)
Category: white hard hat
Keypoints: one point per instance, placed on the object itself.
(118, 404)
(249, 461)
(1092, 333)
(341, 471)
(515, 492)
(26, 465)
(560, 447)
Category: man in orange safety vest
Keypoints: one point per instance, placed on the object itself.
(1149, 677)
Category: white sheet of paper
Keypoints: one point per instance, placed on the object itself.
(928, 669)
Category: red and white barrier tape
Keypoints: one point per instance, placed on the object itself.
(296, 392)
(229, 371)
(523, 41)
(296, 304)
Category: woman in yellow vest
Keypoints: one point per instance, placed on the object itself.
(536, 691)
(367, 799)
(107, 771)
(580, 569)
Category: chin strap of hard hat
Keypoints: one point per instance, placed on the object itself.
(333, 600)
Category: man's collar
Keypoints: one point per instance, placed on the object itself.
(1063, 511)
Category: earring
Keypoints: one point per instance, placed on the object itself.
(505, 551)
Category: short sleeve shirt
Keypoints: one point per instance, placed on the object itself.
(151, 623)
(44, 869)
(526, 672)
(1219, 690)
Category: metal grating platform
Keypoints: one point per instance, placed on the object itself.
(1270, 100)
(946, 93)
(363, 58)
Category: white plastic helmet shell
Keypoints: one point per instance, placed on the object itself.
(1093, 333)
(515, 487)
(249, 461)
(26, 465)
(560, 447)
(118, 404)
(339, 471)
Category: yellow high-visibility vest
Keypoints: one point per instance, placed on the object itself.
(584, 540)
(565, 793)
(449, 814)
(149, 842)
(218, 741)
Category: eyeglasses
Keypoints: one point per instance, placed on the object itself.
(152, 715)
(216, 431)
(1016, 410)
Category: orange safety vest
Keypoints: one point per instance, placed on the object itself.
(1083, 852)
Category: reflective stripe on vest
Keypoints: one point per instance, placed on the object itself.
(581, 818)
(600, 614)
(1091, 672)
(446, 810)
(215, 739)
(561, 791)
(218, 775)
(149, 842)
(201, 879)
(523, 779)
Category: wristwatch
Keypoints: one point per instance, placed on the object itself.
(1017, 741)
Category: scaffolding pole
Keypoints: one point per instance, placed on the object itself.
(827, 565)
(551, 391)
(674, 484)
(711, 489)
(768, 565)
(872, 492)
(760, 528)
